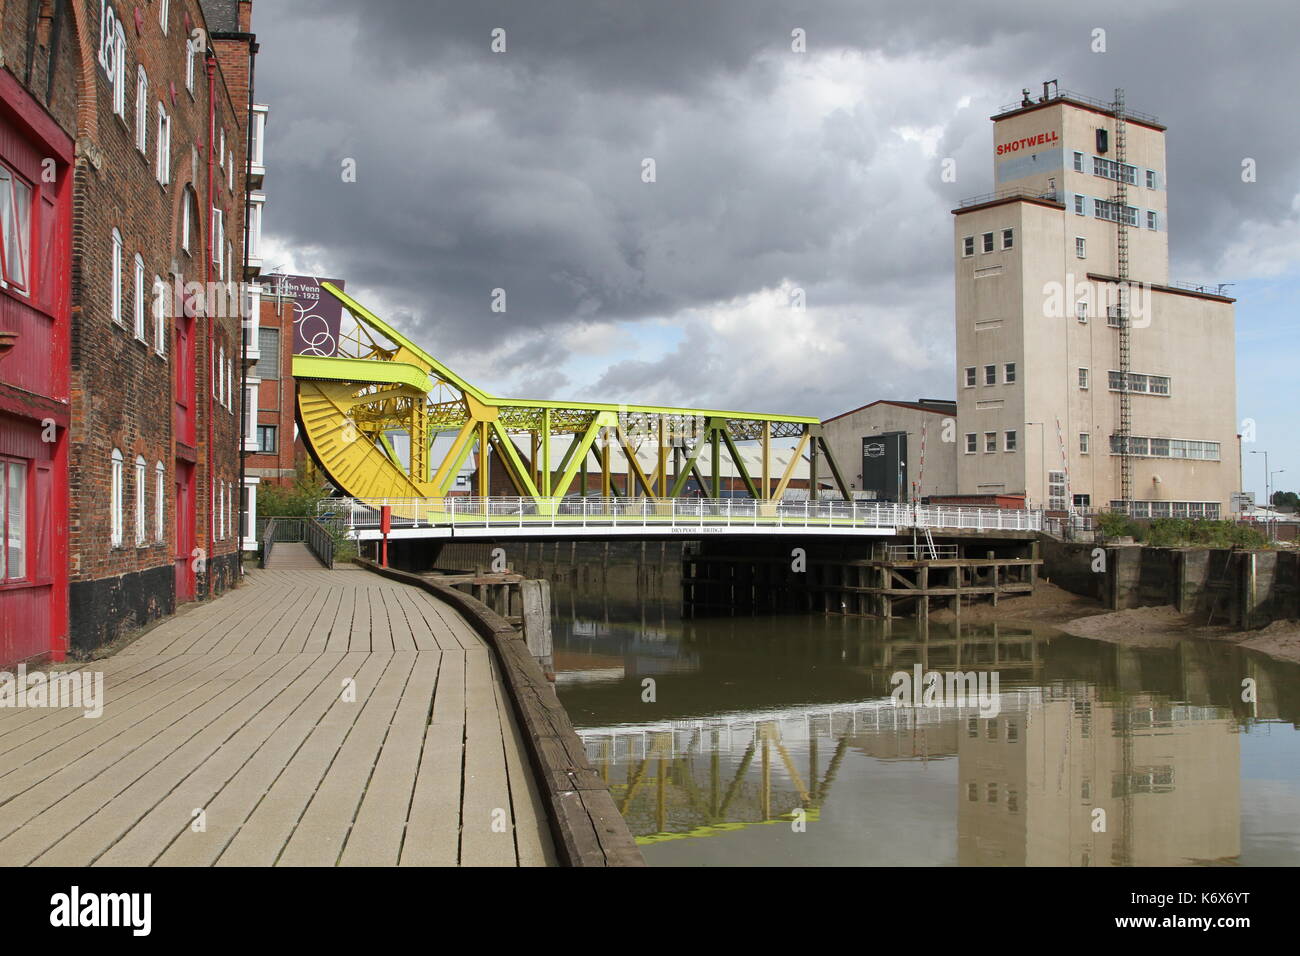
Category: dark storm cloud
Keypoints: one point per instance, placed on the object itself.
(521, 170)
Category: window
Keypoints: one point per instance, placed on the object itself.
(159, 500)
(970, 376)
(189, 65)
(141, 110)
(115, 502)
(990, 441)
(1080, 204)
(1078, 162)
(13, 519)
(1008, 238)
(159, 315)
(112, 56)
(164, 164)
(1056, 490)
(1151, 179)
(230, 384)
(1112, 316)
(115, 267)
(162, 15)
(1083, 443)
(1009, 441)
(1167, 448)
(1113, 212)
(988, 242)
(268, 346)
(1083, 378)
(968, 246)
(218, 237)
(138, 304)
(139, 502)
(219, 379)
(16, 224)
(1151, 220)
(1081, 309)
(189, 217)
(1009, 373)
(990, 374)
(1080, 247)
(1107, 169)
(1139, 382)
(972, 443)
(266, 435)
(1083, 501)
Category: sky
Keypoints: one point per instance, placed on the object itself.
(780, 177)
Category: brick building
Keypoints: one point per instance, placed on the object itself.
(123, 140)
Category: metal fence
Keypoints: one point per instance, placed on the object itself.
(520, 512)
(314, 532)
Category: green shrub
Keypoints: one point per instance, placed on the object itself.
(1113, 524)
(298, 500)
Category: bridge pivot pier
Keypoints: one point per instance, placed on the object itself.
(885, 578)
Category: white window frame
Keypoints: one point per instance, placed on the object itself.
(189, 64)
(141, 110)
(163, 165)
(1080, 204)
(160, 501)
(990, 375)
(1008, 373)
(1008, 238)
(140, 502)
(972, 443)
(1151, 179)
(218, 237)
(1080, 247)
(1010, 440)
(986, 243)
(1152, 220)
(1081, 312)
(967, 246)
(115, 501)
(115, 272)
(972, 376)
(159, 316)
(138, 304)
(990, 442)
(1078, 161)
(1084, 378)
(1085, 443)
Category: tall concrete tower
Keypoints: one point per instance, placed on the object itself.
(1058, 357)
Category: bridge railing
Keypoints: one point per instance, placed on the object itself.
(466, 511)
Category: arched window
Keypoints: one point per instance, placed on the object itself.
(189, 217)
(115, 502)
(116, 272)
(141, 110)
(159, 315)
(139, 298)
(189, 65)
(159, 500)
(139, 501)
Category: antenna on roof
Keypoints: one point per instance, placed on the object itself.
(1027, 99)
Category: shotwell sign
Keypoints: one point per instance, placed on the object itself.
(1029, 143)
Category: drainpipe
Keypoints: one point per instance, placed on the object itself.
(243, 347)
(210, 63)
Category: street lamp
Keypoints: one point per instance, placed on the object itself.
(1270, 484)
(1042, 458)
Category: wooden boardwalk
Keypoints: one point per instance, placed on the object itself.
(307, 718)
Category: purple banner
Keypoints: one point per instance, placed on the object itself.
(316, 314)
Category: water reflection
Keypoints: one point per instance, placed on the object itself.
(774, 740)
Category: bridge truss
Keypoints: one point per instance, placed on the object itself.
(381, 385)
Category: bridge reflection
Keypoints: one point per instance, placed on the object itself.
(1060, 776)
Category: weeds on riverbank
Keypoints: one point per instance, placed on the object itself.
(1181, 532)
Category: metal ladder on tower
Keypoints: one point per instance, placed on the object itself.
(929, 543)
(1125, 424)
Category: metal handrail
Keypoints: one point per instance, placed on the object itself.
(319, 541)
(521, 512)
(268, 541)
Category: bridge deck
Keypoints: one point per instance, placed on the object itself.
(237, 708)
